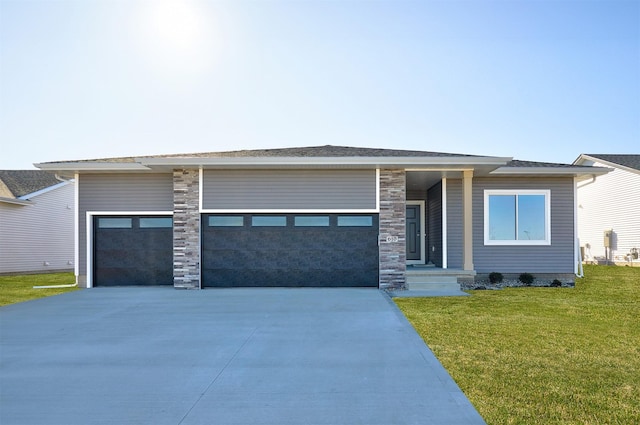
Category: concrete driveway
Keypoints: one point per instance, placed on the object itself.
(224, 356)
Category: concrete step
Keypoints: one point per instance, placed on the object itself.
(439, 286)
(427, 277)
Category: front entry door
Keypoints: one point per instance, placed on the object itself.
(414, 233)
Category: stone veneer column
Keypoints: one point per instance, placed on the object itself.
(186, 229)
(392, 246)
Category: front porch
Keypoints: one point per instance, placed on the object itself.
(426, 281)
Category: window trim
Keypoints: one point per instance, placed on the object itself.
(516, 192)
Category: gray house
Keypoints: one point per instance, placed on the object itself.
(322, 216)
(36, 222)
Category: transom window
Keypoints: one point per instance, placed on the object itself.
(517, 217)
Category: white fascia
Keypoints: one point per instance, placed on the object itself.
(92, 166)
(580, 172)
(377, 162)
(585, 157)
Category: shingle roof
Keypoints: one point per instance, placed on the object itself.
(626, 160)
(310, 152)
(524, 164)
(24, 182)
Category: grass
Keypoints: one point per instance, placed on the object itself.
(542, 355)
(19, 288)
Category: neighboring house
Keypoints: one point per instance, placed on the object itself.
(611, 204)
(322, 216)
(36, 222)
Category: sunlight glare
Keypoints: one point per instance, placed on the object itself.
(177, 36)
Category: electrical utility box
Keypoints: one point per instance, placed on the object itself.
(608, 236)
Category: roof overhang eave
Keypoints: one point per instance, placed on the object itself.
(73, 167)
(326, 162)
(582, 173)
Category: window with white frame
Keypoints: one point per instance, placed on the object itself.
(517, 217)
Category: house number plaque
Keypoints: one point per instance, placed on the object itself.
(392, 239)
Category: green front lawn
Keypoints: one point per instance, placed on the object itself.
(19, 288)
(542, 355)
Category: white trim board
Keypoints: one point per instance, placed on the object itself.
(515, 192)
(289, 211)
(76, 227)
(444, 223)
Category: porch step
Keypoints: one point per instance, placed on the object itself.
(435, 279)
(432, 286)
(430, 277)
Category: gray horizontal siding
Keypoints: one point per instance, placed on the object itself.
(434, 225)
(454, 224)
(289, 189)
(556, 258)
(120, 192)
(32, 235)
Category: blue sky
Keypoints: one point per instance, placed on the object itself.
(539, 80)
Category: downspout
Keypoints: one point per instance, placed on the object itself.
(56, 286)
(593, 179)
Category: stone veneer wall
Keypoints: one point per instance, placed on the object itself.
(392, 247)
(186, 229)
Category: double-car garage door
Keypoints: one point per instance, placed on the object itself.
(320, 250)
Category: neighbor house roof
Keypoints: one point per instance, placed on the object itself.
(631, 161)
(24, 182)
(327, 156)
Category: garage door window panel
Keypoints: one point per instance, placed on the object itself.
(269, 221)
(115, 223)
(226, 221)
(311, 221)
(156, 222)
(355, 221)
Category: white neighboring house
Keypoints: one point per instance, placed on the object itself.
(36, 222)
(610, 202)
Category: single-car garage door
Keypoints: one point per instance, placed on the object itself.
(321, 250)
(132, 250)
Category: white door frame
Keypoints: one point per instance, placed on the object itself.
(422, 259)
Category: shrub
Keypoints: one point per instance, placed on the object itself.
(556, 283)
(526, 278)
(495, 277)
